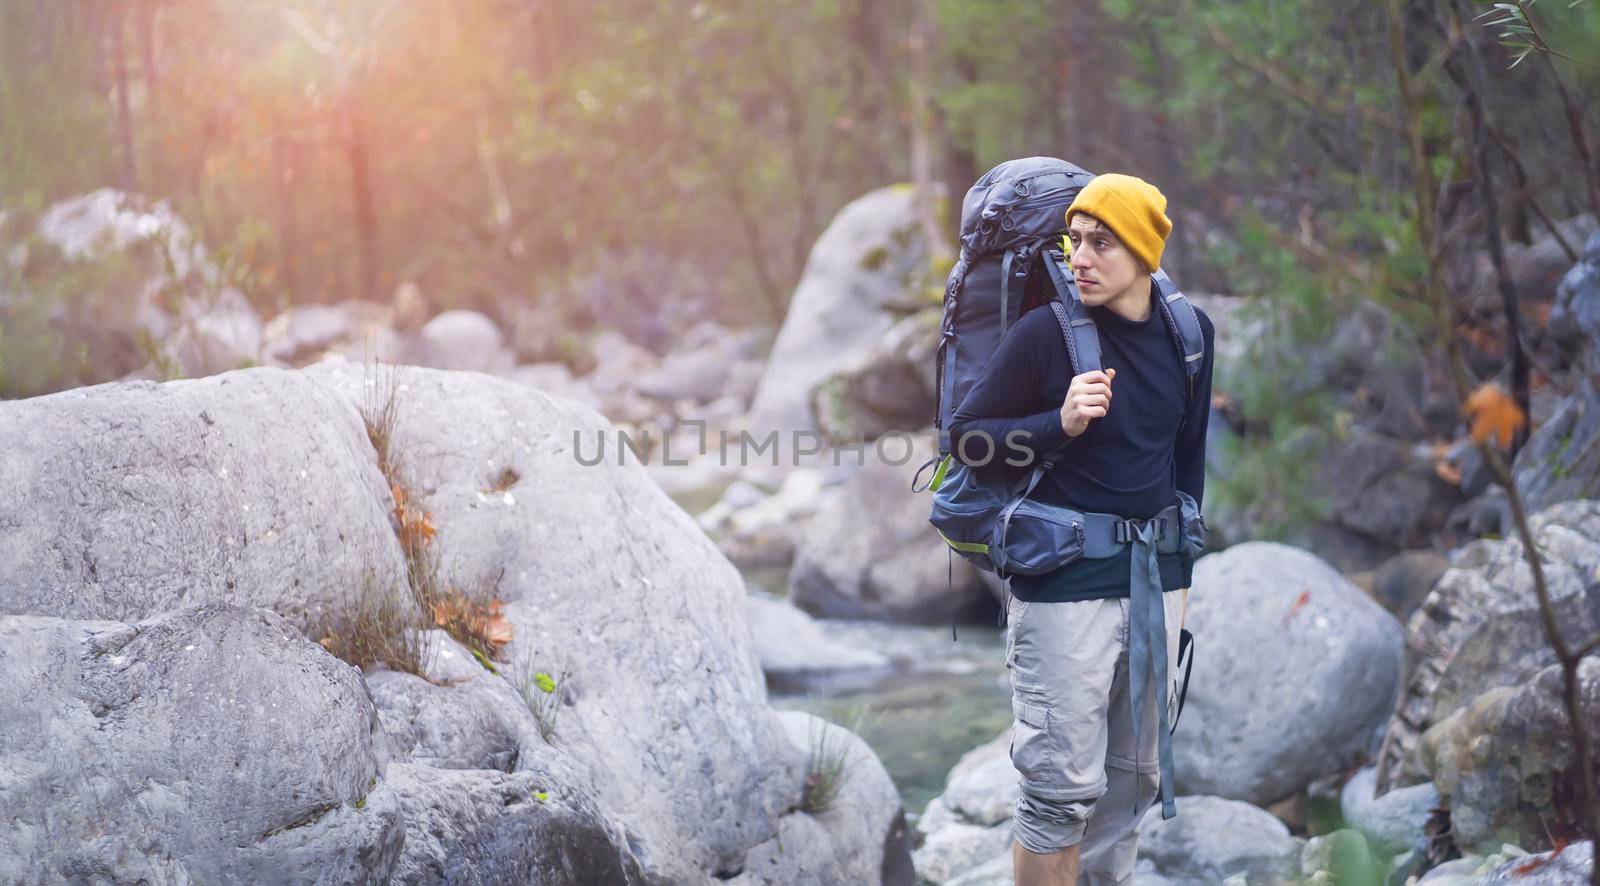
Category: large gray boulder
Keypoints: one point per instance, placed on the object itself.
(1480, 626)
(207, 745)
(665, 715)
(127, 500)
(871, 553)
(1504, 763)
(859, 272)
(261, 486)
(1296, 669)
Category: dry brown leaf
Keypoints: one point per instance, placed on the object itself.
(1448, 472)
(1493, 414)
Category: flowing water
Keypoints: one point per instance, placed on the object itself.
(940, 700)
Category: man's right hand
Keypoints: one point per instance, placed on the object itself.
(1088, 398)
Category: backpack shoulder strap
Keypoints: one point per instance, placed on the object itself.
(1184, 325)
(1183, 322)
(1083, 338)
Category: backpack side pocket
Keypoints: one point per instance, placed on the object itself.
(1038, 538)
(1194, 527)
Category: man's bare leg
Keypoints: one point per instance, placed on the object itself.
(1055, 869)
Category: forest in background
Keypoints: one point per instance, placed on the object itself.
(593, 159)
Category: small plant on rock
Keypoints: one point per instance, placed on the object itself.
(376, 627)
(827, 767)
(541, 692)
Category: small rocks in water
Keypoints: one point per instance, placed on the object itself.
(1393, 822)
(958, 848)
(1342, 855)
(793, 648)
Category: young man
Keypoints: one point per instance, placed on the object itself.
(1133, 440)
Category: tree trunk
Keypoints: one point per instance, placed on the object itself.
(922, 132)
(362, 199)
(127, 178)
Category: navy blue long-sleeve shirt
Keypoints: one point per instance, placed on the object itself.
(1129, 462)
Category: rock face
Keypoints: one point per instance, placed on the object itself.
(1295, 669)
(1384, 493)
(261, 487)
(1480, 628)
(1561, 461)
(492, 827)
(156, 752)
(124, 501)
(1504, 762)
(871, 553)
(860, 837)
(889, 386)
(1575, 319)
(602, 572)
(1214, 838)
(859, 269)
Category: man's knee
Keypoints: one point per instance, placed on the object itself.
(1043, 825)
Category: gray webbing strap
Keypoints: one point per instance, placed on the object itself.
(1147, 656)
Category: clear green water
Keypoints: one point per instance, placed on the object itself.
(943, 700)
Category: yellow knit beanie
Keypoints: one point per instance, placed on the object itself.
(1132, 208)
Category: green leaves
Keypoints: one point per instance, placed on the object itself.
(1519, 33)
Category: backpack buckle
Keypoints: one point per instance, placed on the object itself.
(1127, 531)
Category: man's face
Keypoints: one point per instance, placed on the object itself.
(1105, 269)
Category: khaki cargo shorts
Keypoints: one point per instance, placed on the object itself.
(1072, 730)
